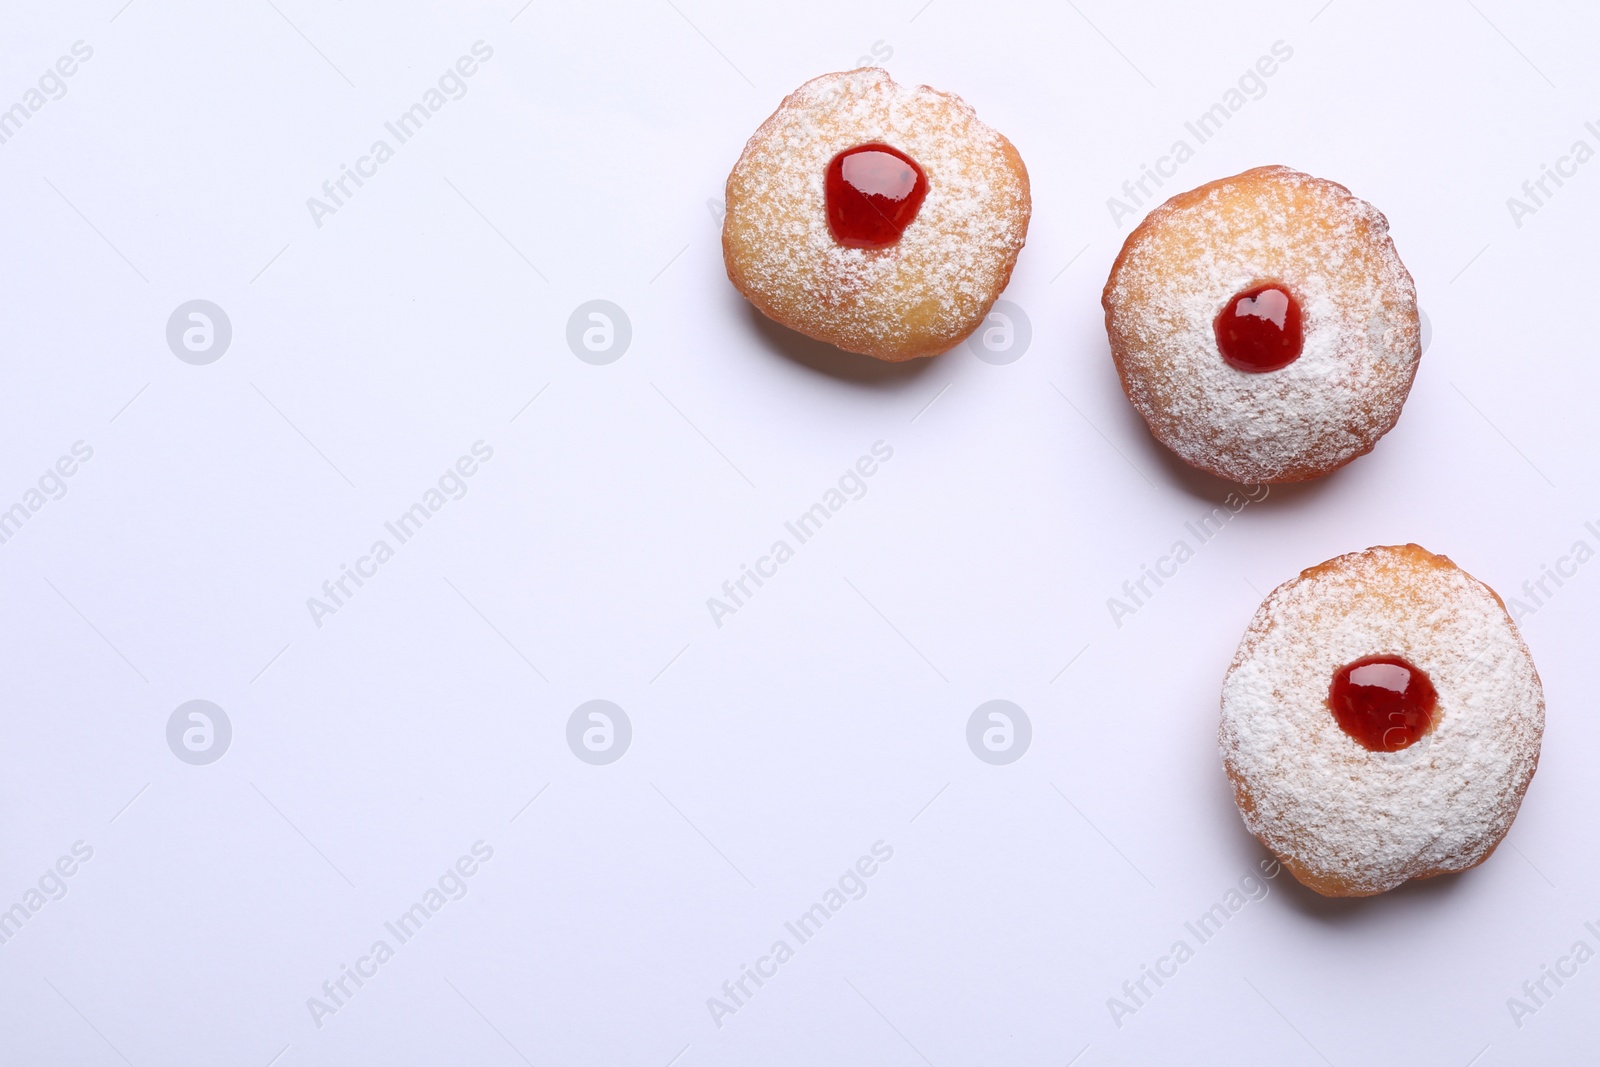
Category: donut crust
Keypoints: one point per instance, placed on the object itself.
(919, 297)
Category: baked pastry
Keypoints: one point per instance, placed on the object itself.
(1381, 721)
(881, 219)
(1264, 326)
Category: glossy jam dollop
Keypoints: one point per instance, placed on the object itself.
(1260, 329)
(873, 192)
(1384, 702)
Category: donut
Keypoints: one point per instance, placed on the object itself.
(880, 219)
(1264, 326)
(1381, 721)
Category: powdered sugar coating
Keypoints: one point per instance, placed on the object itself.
(1349, 821)
(918, 297)
(1186, 261)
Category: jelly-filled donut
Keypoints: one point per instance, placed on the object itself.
(1381, 721)
(1264, 326)
(881, 219)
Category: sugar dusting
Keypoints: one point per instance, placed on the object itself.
(1371, 820)
(1190, 256)
(919, 296)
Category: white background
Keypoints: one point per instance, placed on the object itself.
(829, 713)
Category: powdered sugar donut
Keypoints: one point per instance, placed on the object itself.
(1381, 721)
(881, 219)
(1264, 326)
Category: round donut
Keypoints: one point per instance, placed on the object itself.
(1192, 262)
(926, 291)
(1352, 820)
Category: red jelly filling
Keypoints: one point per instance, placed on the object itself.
(1383, 702)
(1260, 329)
(873, 192)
